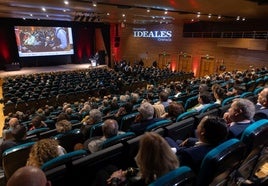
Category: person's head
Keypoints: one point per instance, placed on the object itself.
(146, 110)
(62, 116)
(37, 121)
(63, 126)
(19, 132)
(203, 88)
(128, 107)
(43, 151)
(204, 98)
(110, 128)
(155, 157)
(163, 96)
(219, 93)
(263, 97)
(13, 122)
(212, 130)
(241, 109)
(175, 109)
(28, 176)
(95, 115)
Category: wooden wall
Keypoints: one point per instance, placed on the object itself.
(238, 54)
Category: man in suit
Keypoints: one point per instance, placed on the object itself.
(210, 132)
(239, 116)
(262, 105)
(144, 118)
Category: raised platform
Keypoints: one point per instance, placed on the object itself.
(46, 69)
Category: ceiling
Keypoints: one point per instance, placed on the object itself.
(135, 11)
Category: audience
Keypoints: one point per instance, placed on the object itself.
(204, 99)
(210, 132)
(109, 130)
(28, 176)
(262, 105)
(94, 117)
(239, 116)
(43, 151)
(12, 123)
(143, 119)
(154, 159)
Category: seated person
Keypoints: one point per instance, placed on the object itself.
(94, 117)
(174, 110)
(204, 98)
(143, 119)
(63, 126)
(37, 122)
(239, 116)
(125, 109)
(109, 129)
(28, 175)
(262, 105)
(43, 151)
(18, 138)
(210, 132)
(154, 159)
(12, 123)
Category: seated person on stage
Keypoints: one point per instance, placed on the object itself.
(109, 129)
(210, 132)
(28, 175)
(262, 105)
(143, 119)
(239, 116)
(154, 159)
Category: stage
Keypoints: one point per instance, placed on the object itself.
(46, 69)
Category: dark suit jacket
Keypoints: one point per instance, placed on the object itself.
(193, 156)
(237, 129)
(139, 128)
(261, 114)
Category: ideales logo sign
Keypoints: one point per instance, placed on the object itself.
(159, 35)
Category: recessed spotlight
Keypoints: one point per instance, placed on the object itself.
(219, 16)
(198, 14)
(238, 18)
(243, 19)
(123, 15)
(64, 10)
(44, 9)
(148, 10)
(47, 15)
(24, 18)
(209, 16)
(66, 2)
(166, 11)
(94, 3)
(192, 20)
(31, 15)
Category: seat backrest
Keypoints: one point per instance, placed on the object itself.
(15, 157)
(255, 138)
(158, 124)
(220, 162)
(246, 94)
(258, 90)
(228, 100)
(127, 120)
(191, 102)
(63, 159)
(96, 130)
(117, 139)
(182, 176)
(186, 115)
(36, 132)
(69, 139)
(182, 129)
(209, 107)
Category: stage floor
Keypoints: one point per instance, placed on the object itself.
(44, 69)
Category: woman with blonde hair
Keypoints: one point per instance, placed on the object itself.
(43, 151)
(154, 159)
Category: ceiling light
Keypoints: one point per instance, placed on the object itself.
(209, 16)
(243, 19)
(94, 3)
(64, 10)
(219, 16)
(123, 15)
(47, 15)
(31, 15)
(108, 14)
(166, 11)
(148, 10)
(198, 14)
(66, 2)
(192, 20)
(238, 18)
(43, 9)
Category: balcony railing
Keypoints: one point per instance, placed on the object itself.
(246, 34)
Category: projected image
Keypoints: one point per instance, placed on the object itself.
(44, 41)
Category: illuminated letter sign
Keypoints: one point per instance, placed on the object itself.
(159, 35)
